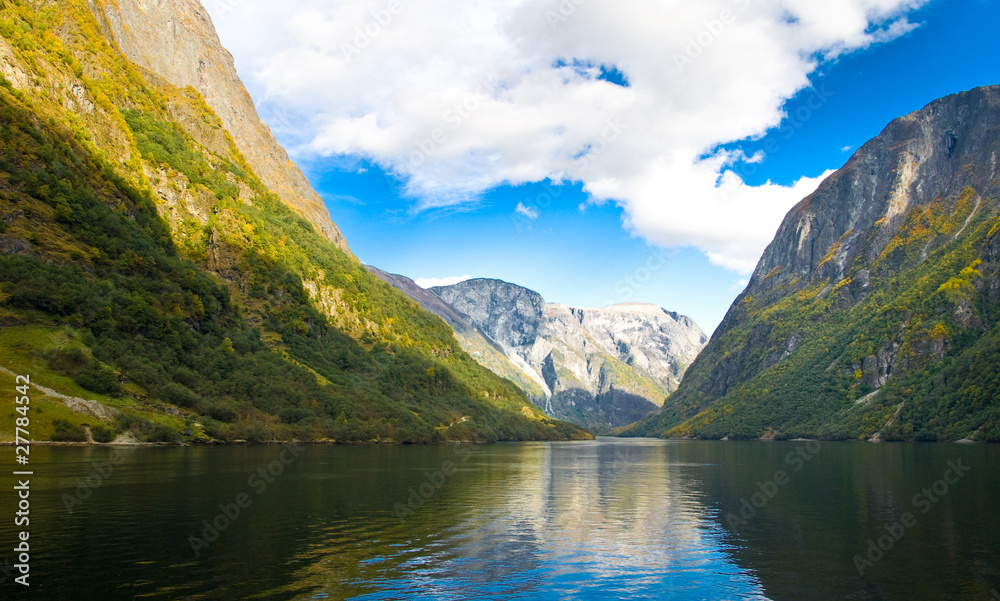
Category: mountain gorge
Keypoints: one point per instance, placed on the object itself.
(167, 274)
(873, 313)
(601, 368)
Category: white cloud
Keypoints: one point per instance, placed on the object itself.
(529, 212)
(448, 281)
(456, 98)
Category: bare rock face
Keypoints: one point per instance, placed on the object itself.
(601, 368)
(176, 41)
(873, 287)
(840, 234)
(928, 155)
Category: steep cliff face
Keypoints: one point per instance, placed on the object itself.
(147, 268)
(877, 288)
(603, 368)
(508, 313)
(925, 157)
(174, 40)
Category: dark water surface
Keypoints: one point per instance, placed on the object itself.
(628, 519)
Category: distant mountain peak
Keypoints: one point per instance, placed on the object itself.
(603, 367)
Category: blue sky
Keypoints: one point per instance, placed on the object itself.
(632, 222)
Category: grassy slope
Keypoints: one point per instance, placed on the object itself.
(223, 307)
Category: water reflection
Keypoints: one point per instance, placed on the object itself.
(549, 520)
(804, 541)
(592, 520)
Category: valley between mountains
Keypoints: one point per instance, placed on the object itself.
(168, 275)
(600, 368)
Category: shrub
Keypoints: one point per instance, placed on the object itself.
(85, 371)
(140, 427)
(69, 361)
(164, 434)
(222, 413)
(102, 433)
(293, 415)
(178, 395)
(218, 431)
(67, 432)
(255, 431)
(99, 379)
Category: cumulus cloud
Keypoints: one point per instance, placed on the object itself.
(529, 212)
(631, 98)
(447, 281)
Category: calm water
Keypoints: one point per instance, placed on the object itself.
(594, 520)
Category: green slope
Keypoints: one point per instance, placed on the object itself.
(947, 383)
(883, 324)
(156, 273)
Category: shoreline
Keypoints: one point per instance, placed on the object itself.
(52, 443)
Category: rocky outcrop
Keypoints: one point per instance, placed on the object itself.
(175, 41)
(508, 313)
(926, 156)
(880, 286)
(472, 338)
(602, 368)
(840, 234)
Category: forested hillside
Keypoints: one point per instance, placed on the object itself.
(875, 311)
(144, 265)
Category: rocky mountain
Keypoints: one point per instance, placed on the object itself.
(602, 368)
(472, 339)
(174, 40)
(874, 311)
(167, 274)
